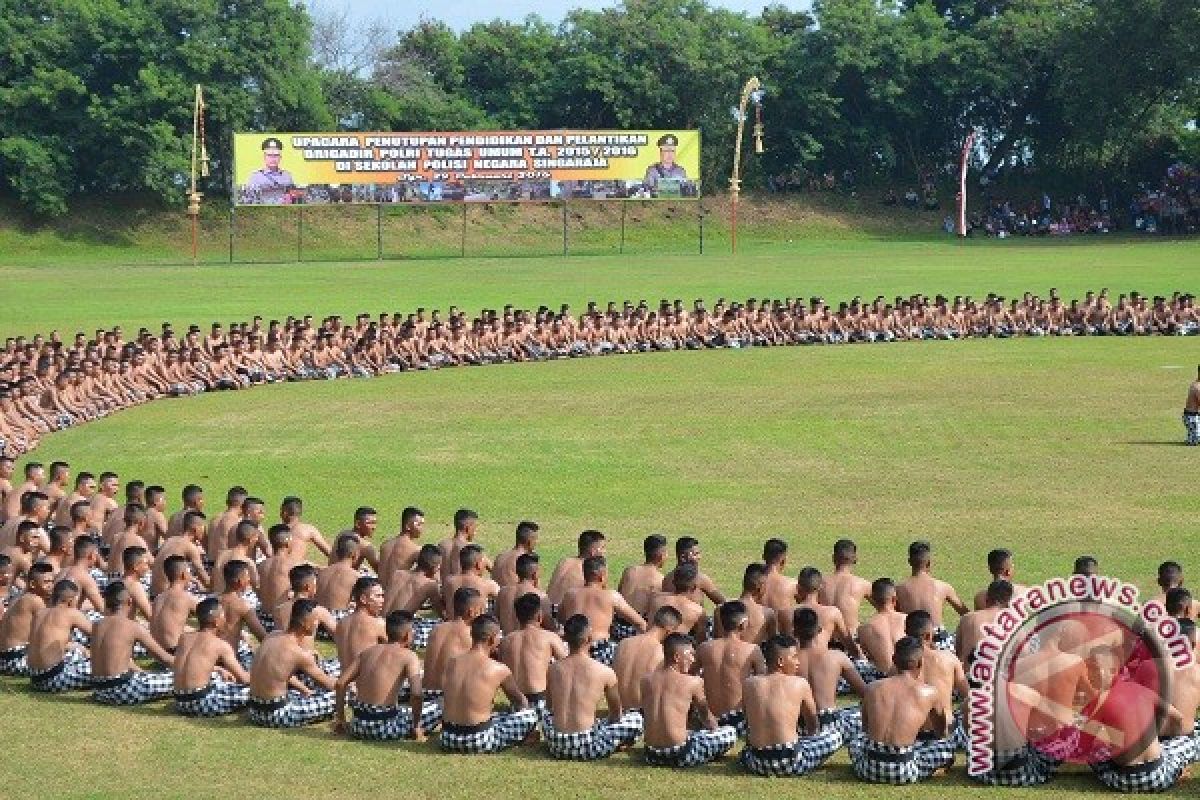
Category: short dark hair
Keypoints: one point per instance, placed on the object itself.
(732, 614)
(907, 653)
(469, 557)
(189, 519)
(527, 607)
(462, 517)
(291, 506)
(806, 624)
(409, 514)
(302, 609)
(483, 628)
(300, 575)
(576, 630)
(133, 555)
(191, 493)
(593, 566)
(809, 579)
(363, 585)
(115, 595)
(587, 540)
(774, 646)
(844, 550)
(233, 570)
(685, 543)
(882, 589)
(1169, 572)
(278, 534)
(526, 531)
(996, 559)
(917, 622)
(527, 563)
(774, 550)
(206, 612)
(1085, 565)
(345, 546)
(236, 495)
(396, 623)
(1177, 601)
(999, 593)
(174, 567)
(362, 512)
(653, 544)
(63, 590)
(919, 553)
(428, 556)
(674, 644)
(685, 575)
(754, 576)
(667, 617)
(464, 596)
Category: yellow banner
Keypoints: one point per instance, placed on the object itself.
(479, 166)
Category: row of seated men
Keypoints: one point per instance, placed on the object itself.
(48, 383)
(493, 628)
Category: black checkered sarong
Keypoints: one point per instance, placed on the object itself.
(132, 688)
(245, 654)
(385, 723)
(847, 719)
(735, 719)
(1024, 767)
(265, 619)
(71, 674)
(795, 758)
(500, 732)
(293, 710)
(1158, 775)
(620, 629)
(218, 698)
(897, 764)
(604, 651)
(12, 662)
(422, 627)
(944, 640)
(700, 747)
(597, 742)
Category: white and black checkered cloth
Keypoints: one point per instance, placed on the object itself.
(132, 688)
(944, 640)
(218, 698)
(1024, 767)
(12, 662)
(384, 723)
(339, 614)
(701, 747)
(265, 619)
(604, 651)
(501, 732)
(600, 741)
(293, 710)
(847, 719)
(795, 758)
(74, 672)
(883, 763)
(245, 654)
(1191, 423)
(620, 629)
(735, 719)
(1158, 775)
(422, 627)
(330, 666)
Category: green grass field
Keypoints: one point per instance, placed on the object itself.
(1052, 447)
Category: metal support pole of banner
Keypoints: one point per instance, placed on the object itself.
(700, 205)
(624, 203)
(565, 249)
(232, 224)
(299, 233)
(462, 241)
(379, 231)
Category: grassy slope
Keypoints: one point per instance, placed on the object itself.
(1053, 447)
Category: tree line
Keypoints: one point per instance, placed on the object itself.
(95, 95)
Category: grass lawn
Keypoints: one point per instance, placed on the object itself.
(1052, 447)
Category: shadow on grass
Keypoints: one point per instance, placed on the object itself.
(1148, 443)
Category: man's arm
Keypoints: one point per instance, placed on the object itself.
(417, 691)
(843, 634)
(307, 663)
(318, 541)
(142, 604)
(808, 709)
(851, 676)
(228, 659)
(339, 701)
(612, 698)
(518, 700)
(626, 612)
(153, 647)
(952, 598)
(700, 703)
(250, 620)
(711, 591)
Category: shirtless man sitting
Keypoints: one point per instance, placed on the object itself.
(529, 573)
(336, 581)
(687, 551)
(694, 621)
(57, 664)
(777, 704)
(273, 572)
(173, 605)
(399, 553)
(505, 570)
(726, 662)
(941, 670)
(997, 596)
(466, 524)
(451, 638)
(669, 695)
(291, 512)
(277, 700)
(471, 564)
(761, 623)
(198, 692)
(878, 635)
(1176, 735)
(843, 589)
(600, 605)
(363, 627)
(923, 592)
(780, 590)
(833, 624)
(576, 683)
(569, 572)
(1001, 566)
(640, 655)
(413, 589)
(531, 649)
(116, 680)
(639, 581)
(827, 671)
(894, 710)
(239, 614)
(17, 622)
(470, 683)
(378, 674)
(186, 544)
